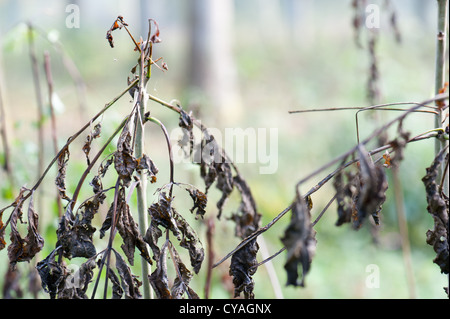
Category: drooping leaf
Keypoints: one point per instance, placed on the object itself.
(75, 232)
(124, 162)
(129, 282)
(372, 193)
(24, 249)
(52, 273)
(77, 282)
(158, 279)
(247, 218)
(60, 181)
(346, 196)
(190, 241)
(127, 228)
(438, 207)
(242, 268)
(181, 284)
(299, 240)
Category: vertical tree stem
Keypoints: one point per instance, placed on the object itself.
(40, 119)
(442, 25)
(139, 151)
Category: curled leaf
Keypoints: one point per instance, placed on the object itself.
(300, 242)
(129, 282)
(242, 268)
(246, 218)
(124, 162)
(52, 273)
(60, 182)
(372, 193)
(200, 201)
(158, 279)
(24, 249)
(438, 207)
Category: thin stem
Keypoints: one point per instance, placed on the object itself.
(40, 107)
(48, 73)
(169, 147)
(441, 40)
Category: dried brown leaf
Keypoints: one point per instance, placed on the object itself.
(300, 242)
(438, 207)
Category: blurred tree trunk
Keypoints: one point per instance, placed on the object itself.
(212, 70)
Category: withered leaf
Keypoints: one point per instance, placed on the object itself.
(24, 249)
(372, 193)
(129, 282)
(242, 268)
(145, 163)
(346, 196)
(2, 232)
(438, 207)
(87, 144)
(128, 229)
(247, 218)
(60, 182)
(163, 214)
(75, 232)
(77, 282)
(214, 167)
(181, 285)
(300, 242)
(190, 241)
(124, 161)
(200, 201)
(158, 279)
(52, 273)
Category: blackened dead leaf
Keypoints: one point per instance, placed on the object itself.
(75, 232)
(158, 279)
(438, 207)
(163, 214)
(181, 283)
(242, 268)
(300, 242)
(190, 241)
(52, 273)
(247, 218)
(346, 196)
(124, 161)
(373, 189)
(129, 282)
(214, 166)
(128, 229)
(77, 282)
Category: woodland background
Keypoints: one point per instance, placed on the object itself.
(241, 64)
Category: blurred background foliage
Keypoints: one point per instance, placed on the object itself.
(237, 64)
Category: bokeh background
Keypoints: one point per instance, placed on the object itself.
(242, 64)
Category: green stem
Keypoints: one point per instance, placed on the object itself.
(442, 25)
(139, 152)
